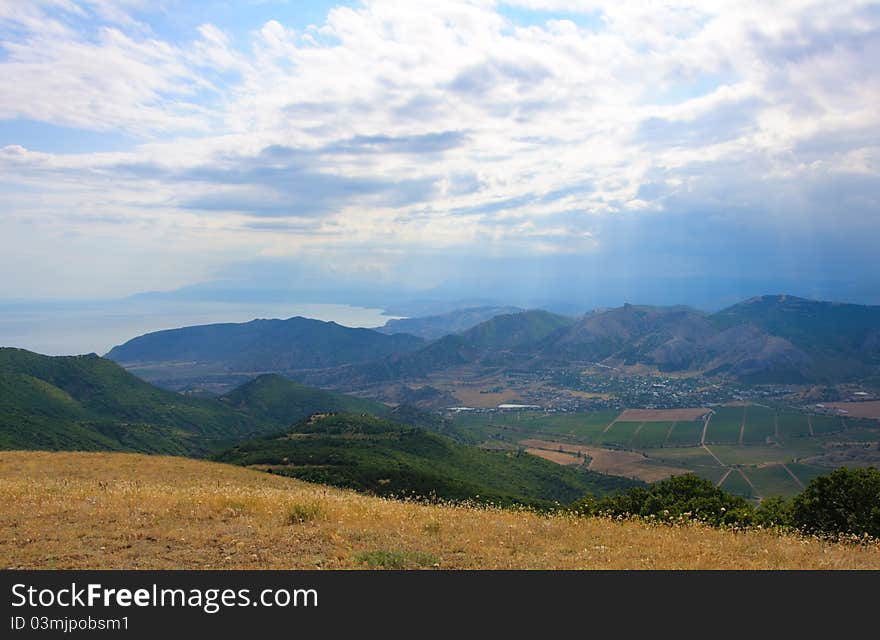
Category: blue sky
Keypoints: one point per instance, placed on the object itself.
(156, 145)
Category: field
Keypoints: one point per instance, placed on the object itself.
(128, 511)
(559, 457)
(684, 434)
(749, 437)
(869, 409)
(725, 425)
(661, 415)
(630, 464)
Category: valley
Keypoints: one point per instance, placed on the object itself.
(516, 407)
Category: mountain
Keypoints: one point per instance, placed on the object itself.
(631, 334)
(437, 326)
(833, 340)
(386, 458)
(294, 344)
(492, 342)
(90, 403)
(766, 339)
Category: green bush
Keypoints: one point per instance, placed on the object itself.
(847, 501)
(684, 497)
(774, 512)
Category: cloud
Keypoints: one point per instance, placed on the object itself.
(448, 128)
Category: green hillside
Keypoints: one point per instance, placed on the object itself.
(89, 403)
(377, 456)
(276, 399)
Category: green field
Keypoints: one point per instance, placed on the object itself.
(757, 454)
(651, 434)
(826, 424)
(574, 427)
(620, 434)
(792, 425)
(737, 485)
(760, 425)
(685, 434)
(712, 474)
(806, 472)
(773, 480)
(725, 425)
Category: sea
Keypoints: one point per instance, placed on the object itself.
(73, 328)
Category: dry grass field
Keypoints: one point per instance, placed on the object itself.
(103, 511)
(617, 462)
(559, 457)
(869, 409)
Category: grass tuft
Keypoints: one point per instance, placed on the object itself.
(396, 559)
(302, 512)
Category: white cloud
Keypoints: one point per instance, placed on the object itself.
(441, 121)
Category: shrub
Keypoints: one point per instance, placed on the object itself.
(302, 512)
(847, 501)
(774, 512)
(684, 497)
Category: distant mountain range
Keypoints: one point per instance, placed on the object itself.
(779, 338)
(437, 326)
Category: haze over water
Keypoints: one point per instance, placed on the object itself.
(61, 329)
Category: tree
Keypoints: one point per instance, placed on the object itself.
(845, 502)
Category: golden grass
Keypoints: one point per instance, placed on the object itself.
(559, 457)
(126, 511)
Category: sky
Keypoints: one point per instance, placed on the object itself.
(156, 144)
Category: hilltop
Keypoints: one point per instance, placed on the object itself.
(386, 458)
(125, 511)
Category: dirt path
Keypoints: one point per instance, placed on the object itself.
(746, 478)
(705, 428)
(793, 477)
(724, 477)
(810, 425)
(742, 427)
(717, 459)
(669, 433)
(609, 425)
